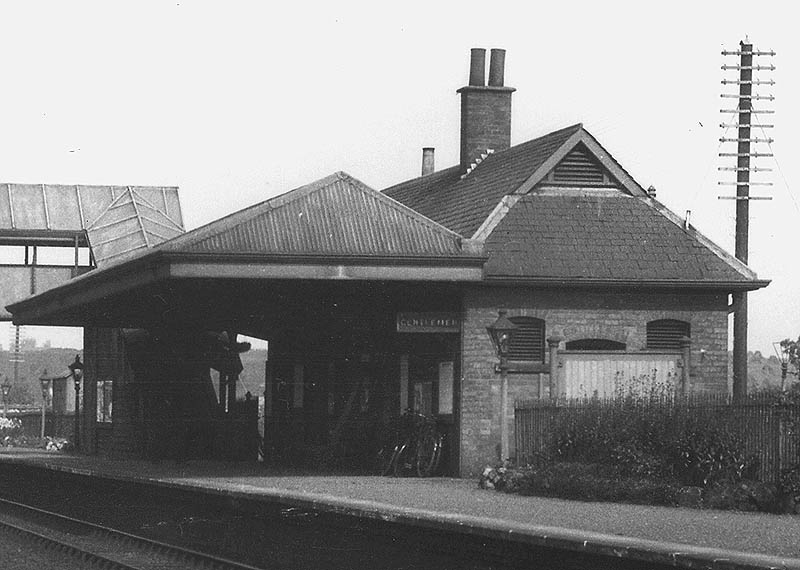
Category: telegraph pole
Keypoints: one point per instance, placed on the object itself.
(744, 166)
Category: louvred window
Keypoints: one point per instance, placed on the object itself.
(580, 168)
(666, 333)
(528, 340)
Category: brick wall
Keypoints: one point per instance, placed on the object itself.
(572, 315)
(104, 351)
(485, 121)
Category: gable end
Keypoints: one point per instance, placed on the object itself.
(580, 169)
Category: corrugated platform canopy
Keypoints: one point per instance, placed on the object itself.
(335, 229)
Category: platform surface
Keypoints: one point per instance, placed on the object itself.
(754, 540)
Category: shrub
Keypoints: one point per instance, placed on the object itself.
(647, 445)
(651, 435)
(10, 428)
(790, 482)
(743, 496)
(707, 450)
(593, 482)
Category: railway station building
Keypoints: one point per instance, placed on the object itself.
(377, 301)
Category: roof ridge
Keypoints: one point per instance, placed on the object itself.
(108, 208)
(172, 223)
(336, 204)
(240, 216)
(139, 217)
(574, 128)
(617, 164)
(433, 176)
(474, 165)
(396, 204)
(145, 202)
(607, 161)
(446, 170)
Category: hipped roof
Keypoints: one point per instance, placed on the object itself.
(605, 237)
(336, 216)
(522, 228)
(538, 232)
(336, 228)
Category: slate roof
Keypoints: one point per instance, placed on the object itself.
(539, 233)
(602, 235)
(334, 216)
(462, 204)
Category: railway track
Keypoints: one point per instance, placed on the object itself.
(97, 546)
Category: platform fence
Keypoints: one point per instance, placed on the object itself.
(767, 426)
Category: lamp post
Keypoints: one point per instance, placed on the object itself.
(501, 333)
(783, 355)
(76, 369)
(45, 381)
(6, 388)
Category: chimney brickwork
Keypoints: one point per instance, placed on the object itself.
(485, 109)
(428, 166)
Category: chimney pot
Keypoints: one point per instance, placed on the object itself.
(427, 161)
(485, 110)
(497, 67)
(477, 67)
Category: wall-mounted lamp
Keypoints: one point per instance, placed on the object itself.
(501, 332)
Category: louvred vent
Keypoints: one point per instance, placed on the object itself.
(580, 168)
(528, 340)
(666, 333)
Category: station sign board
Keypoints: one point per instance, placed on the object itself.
(428, 322)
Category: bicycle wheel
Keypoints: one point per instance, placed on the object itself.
(387, 459)
(429, 448)
(400, 462)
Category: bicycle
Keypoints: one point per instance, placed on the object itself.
(414, 446)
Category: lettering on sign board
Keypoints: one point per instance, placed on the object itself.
(428, 323)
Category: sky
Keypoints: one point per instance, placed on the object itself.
(237, 102)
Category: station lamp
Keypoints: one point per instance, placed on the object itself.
(782, 350)
(6, 389)
(501, 333)
(45, 382)
(76, 370)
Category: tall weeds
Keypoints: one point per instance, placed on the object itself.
(646, 430)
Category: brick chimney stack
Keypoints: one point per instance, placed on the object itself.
(427, 161)
(485, 109)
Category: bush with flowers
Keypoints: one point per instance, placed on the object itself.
(10, 428)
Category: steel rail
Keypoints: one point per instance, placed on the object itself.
(41, 527)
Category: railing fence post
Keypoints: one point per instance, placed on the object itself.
(686, 351)
(552, 344)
